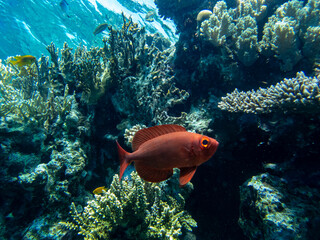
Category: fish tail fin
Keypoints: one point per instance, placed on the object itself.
(124, 162)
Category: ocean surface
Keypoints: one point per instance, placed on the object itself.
(85, 83)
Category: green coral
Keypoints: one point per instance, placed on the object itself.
(131, 209)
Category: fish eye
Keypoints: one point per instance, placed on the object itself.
(204, 142)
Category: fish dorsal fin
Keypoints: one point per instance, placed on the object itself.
(146, 134)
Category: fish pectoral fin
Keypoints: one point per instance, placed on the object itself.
(186, 174)
(152, 174)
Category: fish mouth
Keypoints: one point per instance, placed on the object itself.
(214, 145)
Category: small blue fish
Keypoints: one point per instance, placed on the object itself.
(64, 7)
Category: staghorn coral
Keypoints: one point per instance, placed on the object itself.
(36, 110)
(140, 68)
(296, 94)
(41, 130)
(132, 209)
(6, 72)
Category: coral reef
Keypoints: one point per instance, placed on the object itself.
(296, 94)
(46, 110)
(281, 34)
(271, 208)
(60, 117)
(146, 82)
(246, 45)
(219, 26)
(132, 209)
(42, 132)
(83, 71)
(240, 25)
(179, 11)
(129, 133)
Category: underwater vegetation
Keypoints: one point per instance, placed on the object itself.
(245, 73)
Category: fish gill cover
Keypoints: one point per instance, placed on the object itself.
(75, 76)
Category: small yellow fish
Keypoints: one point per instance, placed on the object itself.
(100, 28)
(22, 60)
(99, 190)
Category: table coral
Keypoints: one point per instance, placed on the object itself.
(296, 94)
(132, 209)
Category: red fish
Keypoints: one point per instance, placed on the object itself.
(159, 149)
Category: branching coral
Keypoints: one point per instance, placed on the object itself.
(290, 34)
(41, 123)
(151, 91)
(34, 109)
(129, 133)
(83, 71)
(254, 8)
(280, 37)
(126, 49)
(296, 94)
(132, 209)
(292, 22)
(243, 33)
(246, 45)
(219, 26)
